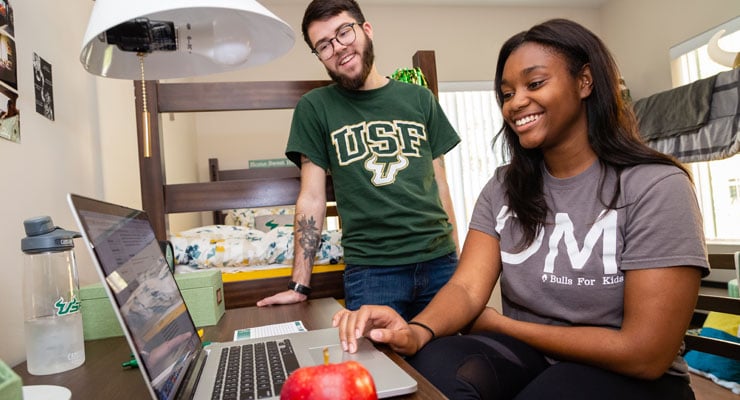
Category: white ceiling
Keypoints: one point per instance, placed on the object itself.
(546, 3)
(540, 3)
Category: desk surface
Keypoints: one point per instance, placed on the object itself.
(102, 377)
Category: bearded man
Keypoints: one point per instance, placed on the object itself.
(383, 142)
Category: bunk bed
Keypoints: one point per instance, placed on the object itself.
(234, 189)
(700, 121)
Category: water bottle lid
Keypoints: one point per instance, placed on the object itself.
(43, 236)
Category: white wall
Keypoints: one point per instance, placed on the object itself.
(54, 157)
(91, 147)
(640, 40)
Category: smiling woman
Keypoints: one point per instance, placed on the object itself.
(575, 228)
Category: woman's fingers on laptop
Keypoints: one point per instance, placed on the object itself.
(364, 322)
(351, 325)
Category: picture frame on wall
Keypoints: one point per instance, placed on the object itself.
(6, 17)
(8, 69)
(9, 115)
(43, 87)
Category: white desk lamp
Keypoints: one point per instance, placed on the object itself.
(180, 38)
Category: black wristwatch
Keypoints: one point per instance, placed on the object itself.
(304, 290)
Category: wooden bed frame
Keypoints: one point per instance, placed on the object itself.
(261, 176)
(326, 281)
(705, 389)
(705, 304)
(280, 188)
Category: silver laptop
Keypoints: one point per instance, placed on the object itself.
(164, 338)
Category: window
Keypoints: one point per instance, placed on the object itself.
(717, 182)
(472, 109)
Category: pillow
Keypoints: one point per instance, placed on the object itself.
(218, 246)
(721, 326)
(240, 217)
(246, 216)
(729, 323)
(266, 223)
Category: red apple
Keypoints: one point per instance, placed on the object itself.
(343, 381)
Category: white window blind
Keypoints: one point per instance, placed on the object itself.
(473, 111)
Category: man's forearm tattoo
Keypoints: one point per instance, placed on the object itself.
(309, 237)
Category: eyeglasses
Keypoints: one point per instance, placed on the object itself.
(345, 36)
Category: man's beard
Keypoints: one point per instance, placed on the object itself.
(368, 58)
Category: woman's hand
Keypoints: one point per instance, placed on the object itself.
(380, 324)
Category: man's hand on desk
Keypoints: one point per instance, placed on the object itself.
(286, 297)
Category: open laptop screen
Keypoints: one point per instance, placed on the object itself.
(144, 289)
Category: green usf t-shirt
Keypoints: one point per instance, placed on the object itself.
(379, 146)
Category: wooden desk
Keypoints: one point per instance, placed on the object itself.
(101, 377)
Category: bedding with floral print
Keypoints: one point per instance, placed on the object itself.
(219, 246)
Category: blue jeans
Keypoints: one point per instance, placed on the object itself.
(405, 288)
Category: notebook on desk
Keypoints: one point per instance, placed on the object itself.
(164, 339)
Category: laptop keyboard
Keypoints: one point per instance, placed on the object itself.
(254, 371)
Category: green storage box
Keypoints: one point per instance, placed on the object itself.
(10, 383)
(204, 295)
(98, 319)
(202, 291)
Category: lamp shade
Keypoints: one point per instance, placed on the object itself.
(181, 38)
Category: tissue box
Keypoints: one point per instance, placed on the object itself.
(10, 383)
(202, 291)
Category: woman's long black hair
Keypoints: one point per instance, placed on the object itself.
(612, 127)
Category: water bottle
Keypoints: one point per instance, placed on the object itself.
(53, 321)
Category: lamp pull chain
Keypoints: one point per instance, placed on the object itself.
(145, 117)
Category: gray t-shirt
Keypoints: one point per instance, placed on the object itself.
(573, 272)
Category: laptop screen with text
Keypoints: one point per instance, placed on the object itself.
(146, 294)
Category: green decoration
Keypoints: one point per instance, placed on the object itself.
(410, 75)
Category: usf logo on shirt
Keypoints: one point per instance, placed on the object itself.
(383, 147)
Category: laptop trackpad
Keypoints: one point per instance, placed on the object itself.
(390, 379)
(365, 351)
